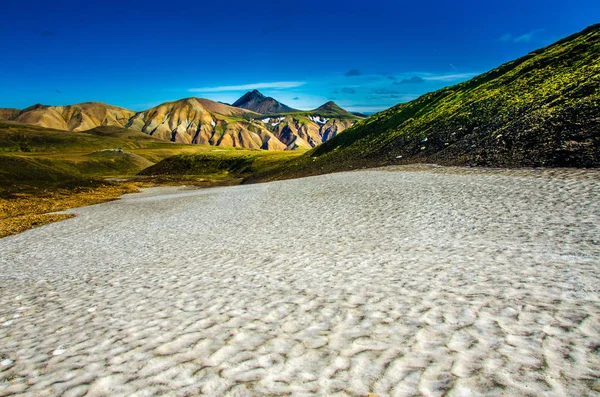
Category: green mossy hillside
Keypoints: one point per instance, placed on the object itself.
(228, 166)
(540, 110)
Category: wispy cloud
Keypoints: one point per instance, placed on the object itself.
(384, 91)
(348, 90)
(352, 72)
(412, 80)
(524, 38)
(256, 86)
(380, 104)
(449, 77)
(366, 107)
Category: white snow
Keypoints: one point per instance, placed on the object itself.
(58, 351)
(319, 119)
(394, 283)
(273, 121)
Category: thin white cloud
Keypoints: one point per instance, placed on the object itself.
(256, 86)
(449, 77)
(366, 108)
(524, 38)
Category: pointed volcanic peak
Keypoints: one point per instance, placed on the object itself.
(257, 102)
(539, 110)
(331, 109)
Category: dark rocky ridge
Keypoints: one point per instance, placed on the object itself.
(257, 102)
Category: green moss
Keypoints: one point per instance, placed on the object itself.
(232, 165)
(24, 174)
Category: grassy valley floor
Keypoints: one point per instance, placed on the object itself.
(44, 171)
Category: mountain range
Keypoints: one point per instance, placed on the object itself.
(272, 126)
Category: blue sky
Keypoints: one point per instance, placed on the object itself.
(366, 56)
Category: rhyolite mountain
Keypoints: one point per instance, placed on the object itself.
(308, 129)
(76, 118)
(8, 114)
(305, 129)
(257, 102)
(540, 110)
(201, 121)
(197, 121)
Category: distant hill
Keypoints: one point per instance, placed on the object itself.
(305, 129)
(18, 137)
(80, 117)
(310, 128)
(540, 110)
(257, 102)
(8, 114)
(333, 110)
